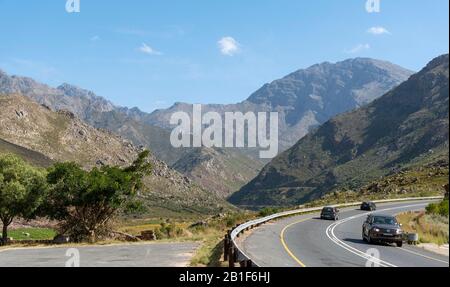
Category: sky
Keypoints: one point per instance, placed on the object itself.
(153, 53)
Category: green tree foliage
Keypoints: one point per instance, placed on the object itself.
(22, 190)
(86, 201)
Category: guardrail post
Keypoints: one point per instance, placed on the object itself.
(226, 247)
(231, 257)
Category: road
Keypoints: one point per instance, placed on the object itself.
(136, 255)
(307, 241)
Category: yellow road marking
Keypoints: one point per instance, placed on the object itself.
(285, 245)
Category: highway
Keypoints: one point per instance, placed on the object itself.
(131, 255)
(308, 241)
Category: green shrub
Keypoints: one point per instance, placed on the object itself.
(438, 208)
(268, 211)
(158, 234)
(170, 230)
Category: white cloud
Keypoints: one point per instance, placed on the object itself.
(358, 49)
(146, 49)
(95, 38)
(378, 30)
(228, 46)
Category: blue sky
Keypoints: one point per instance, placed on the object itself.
(150, 53)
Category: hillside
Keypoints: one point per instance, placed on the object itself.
(42, 135)
(30, 156)
(406, 127)
(222, 171)
(91, 109)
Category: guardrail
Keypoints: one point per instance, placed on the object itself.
(234, 254)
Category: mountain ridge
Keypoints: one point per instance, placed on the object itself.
(308, 97)
(406, 126)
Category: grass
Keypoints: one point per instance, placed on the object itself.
(34, 234)
(210, 234)
(210, 252)
(431, 228)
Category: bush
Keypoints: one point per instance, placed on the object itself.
(268, 211)
(169, 231)
(438, 208)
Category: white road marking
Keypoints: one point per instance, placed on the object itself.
(424, 256)
(330, 234)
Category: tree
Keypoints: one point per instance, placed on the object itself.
(86, 201)
(22, 190)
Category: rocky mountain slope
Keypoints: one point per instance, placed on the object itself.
(407, 126)
(307, 98)
(133, 125)
(91, 109)
(220, 170)
(28, 155)
(42, 136)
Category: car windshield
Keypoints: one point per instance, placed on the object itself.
(384, 220)
(328, 209)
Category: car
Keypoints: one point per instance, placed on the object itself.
(330, 213)
(368, 206)
(383, 229)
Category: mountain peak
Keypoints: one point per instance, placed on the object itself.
(331, 88)
(398, 130)
(74, 91)
(438, 61)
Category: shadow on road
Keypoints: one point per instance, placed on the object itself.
(362, 242)
(357, 241)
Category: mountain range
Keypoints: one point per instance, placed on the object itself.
(308, 97)
(407, 126)
(304, 100)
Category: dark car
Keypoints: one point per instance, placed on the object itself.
(331, 213)
(382, 228)
(369, 206)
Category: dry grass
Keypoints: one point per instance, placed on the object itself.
(431, 228)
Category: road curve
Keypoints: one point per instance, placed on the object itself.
(131, 255)
(307, 241)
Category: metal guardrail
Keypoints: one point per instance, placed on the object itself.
(234, 254)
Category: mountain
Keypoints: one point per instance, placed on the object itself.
(307, 98)
(133, 125)
(407, 126)
(43, 136)
(304, 100)
(222, 171)
(94, 110)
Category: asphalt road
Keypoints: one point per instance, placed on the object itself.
(307, 241)
(138, 255)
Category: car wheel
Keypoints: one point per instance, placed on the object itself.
(369, 240)
(364, 237)
(400, 244)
